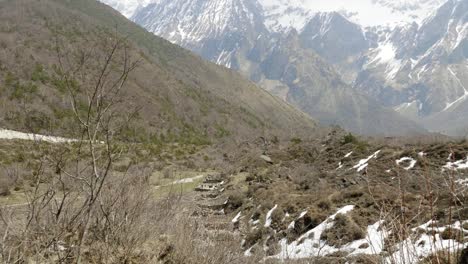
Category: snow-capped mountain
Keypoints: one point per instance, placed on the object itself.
(213, 29)
(281, 14)
(128, 7)
(421, 71)
(284, 14)
(390, 50)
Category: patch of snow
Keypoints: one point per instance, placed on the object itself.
(457, 165)
(362, 167)
(461, 30)
(128, 7)
(462, 97)
(405, 159)
(340, 165)
(364, 162)
(311, 244)
(293, 223)
(302, 214)
(281, 14)
(462, 182)
(10, 134)
(374, 239)
(188, 180)
(405, 106)
(385, 54)
(268, 216)
(417, 247)
(422, 71)
(225, 58)
(286, 215)
(236, 218)
(248, 252)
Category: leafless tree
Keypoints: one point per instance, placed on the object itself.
(79, 204)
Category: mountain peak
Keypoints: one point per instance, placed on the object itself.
(128, 7)
(281, 14)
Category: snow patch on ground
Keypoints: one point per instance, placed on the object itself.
(364, 162)
(248, 252)
(457, 165)
(10, 134)
(412, 162)
(268, 216)
(374, 239)
(462, 182)
(340, 165)
(236, 218)
(188, 180)
(293, 223)
(311, 244)
(417, 247)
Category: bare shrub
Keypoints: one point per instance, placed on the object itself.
(201, 247)
(344, 231)
(79, 208)
(8, 178)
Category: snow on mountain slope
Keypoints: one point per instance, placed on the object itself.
(421, 71)
(128, 7)
(415, 51)
(387, 49)
(281, 14)
(185, 22)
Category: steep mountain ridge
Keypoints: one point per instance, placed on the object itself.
(214, 29)
(178, 94)
(312, 84)
(233, 33)
(411, 58)
(282, 14)
(420, 70)
(129, 7)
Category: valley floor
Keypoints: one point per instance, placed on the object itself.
(337, 199)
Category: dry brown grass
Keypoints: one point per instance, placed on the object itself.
(343, 231)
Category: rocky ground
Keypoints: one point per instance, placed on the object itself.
(334, 199)
(343, 198)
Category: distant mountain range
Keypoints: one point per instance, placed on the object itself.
(372, 67)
